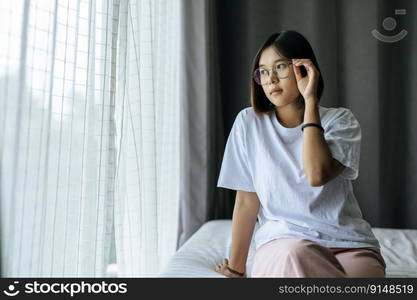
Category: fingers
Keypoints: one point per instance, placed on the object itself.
(297, 72)
(303, 61)
(222, 265)
(219, 266)
(307, 63)
(218, 269)
(221, 269)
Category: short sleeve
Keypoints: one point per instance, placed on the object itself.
(343, 135)
(234, 172)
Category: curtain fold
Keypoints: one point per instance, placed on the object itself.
(147, 118)
(201, 119)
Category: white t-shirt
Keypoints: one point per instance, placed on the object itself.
(263, 156)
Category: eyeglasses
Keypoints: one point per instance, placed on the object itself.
(281, 70)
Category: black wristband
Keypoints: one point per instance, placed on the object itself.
(234, 271)
(312, 124)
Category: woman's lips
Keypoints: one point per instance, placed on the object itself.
(276, 92)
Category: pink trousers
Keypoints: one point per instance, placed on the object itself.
(288, 257)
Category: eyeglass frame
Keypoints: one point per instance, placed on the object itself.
(273, 71)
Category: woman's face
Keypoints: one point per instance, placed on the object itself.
(289, 90)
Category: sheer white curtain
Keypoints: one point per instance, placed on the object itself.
(88, 137)
(147, 117)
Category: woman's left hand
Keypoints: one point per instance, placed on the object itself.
(306, 85)
(222, 269)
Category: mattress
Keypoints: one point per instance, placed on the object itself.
(199, 255)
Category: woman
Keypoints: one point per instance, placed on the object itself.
(291, 162)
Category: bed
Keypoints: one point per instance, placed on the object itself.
(199, 254)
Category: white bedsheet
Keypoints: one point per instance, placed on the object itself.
(199, 255)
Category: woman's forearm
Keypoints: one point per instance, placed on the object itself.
(317, 158)
(243, 223)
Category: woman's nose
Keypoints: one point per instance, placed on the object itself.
(273, 77)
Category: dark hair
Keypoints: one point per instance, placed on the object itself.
(290, 44)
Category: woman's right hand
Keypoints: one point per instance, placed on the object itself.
(222, 269)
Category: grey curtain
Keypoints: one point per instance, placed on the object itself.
(202, 137)
(373, 78)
